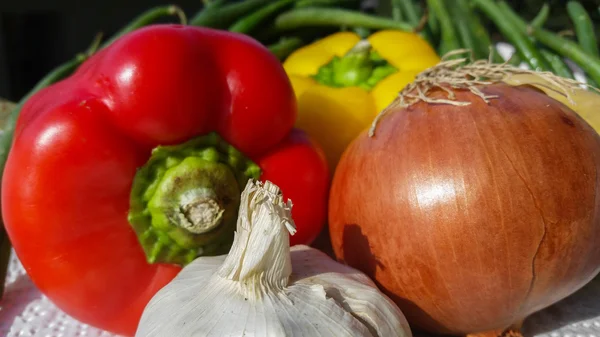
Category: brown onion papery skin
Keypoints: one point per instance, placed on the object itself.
(472, 218)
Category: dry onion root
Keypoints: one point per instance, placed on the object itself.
(456, 74)
(471, 202)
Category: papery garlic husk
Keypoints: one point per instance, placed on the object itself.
(264, 288)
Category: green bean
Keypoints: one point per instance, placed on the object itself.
(95, 44)
(518, 22)
(211, 8)
(584, 27)
(515, 60)
(307, 17)
(479, 32)
(147, 18)
(223, 17)
(512, 17)
(270, 34)
(433, 24)
(251, 21)
(559, 67)
(514, 35)
(410, 11)
(213, 4)
(324, 3)
(569, 49)
(285, 47)
(557, 64)
(397, 11)
(449, 40)
(57, 74)
(466, 38)
(542, 16)
(564, 47)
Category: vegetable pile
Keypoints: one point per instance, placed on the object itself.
(144, 181)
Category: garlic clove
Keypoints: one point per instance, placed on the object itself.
(213, 307)
(353, 290)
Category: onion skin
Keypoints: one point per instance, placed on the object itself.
(585, 102)
(472, 218)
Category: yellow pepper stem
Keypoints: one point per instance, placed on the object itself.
(359, 67)
(355, 67)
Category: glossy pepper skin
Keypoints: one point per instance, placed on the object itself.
(79, 143)
(334, 113)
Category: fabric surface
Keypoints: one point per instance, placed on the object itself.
(25, 312)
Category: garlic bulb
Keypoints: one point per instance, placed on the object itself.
(264, 288)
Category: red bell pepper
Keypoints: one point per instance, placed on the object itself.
(133, 166)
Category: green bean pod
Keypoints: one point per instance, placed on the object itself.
(251, 21)
(148, 17)
(326, 3)
(515, 60)
(584, 27)
(449, 40)
(397, 11)
(433, 25)
(464, 31)
(311, 17)
(562, 46)
(285, 47)
(513, 34)
(541, 17)
(479, 32)
(411, 11)
(559, 67)
(218, 16)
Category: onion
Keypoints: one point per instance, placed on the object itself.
(585, 102)
(471, 215)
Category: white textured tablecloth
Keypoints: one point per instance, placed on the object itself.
(24, 311)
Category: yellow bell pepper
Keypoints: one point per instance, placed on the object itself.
(342, 82)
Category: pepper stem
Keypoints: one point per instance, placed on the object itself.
(355, 67)
(184, 200)
(361, 67)
(201, 211)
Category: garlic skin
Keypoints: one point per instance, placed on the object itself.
(253, 291)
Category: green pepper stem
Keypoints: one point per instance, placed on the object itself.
(355, 67)
(359, 67)
(201, 210)
(184, 200)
